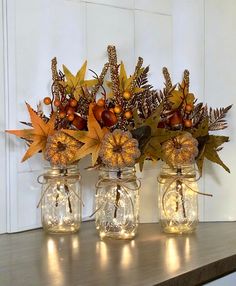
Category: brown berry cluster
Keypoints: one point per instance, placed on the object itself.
(105, 115)
(181, 118)
(67, 111)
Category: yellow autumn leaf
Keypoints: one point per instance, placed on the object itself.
(122, 74)
(74, 84)
(177, 97)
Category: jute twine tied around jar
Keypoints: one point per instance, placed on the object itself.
(54, 179)
(181, 179)
(122, 184)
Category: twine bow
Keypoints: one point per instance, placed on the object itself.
(123, 187)
(44, 181)
(180, 179)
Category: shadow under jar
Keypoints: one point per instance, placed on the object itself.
(61, 203)
(178, 199)
(117, 203)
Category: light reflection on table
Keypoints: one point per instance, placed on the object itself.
(35, 258)
(53, 263)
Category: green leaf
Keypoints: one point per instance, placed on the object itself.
(142, 134)
(217, 141)
(141, 161)
(202, 129)
(212, 155)
(164, 134)
(208, 149)
(153, 119)
(153, 137)
(200, 161)
(138, 122)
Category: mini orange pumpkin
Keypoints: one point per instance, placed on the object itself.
(180, 150)
(119, 149)
(61, 149)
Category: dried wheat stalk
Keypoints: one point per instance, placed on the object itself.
(168, 82)
(100, 80)
(114, 70)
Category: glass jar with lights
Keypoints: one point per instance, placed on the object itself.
(117, 203)
(61, 202)
(178, 199)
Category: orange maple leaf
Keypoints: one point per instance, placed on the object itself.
(37, 135)
(92, 138)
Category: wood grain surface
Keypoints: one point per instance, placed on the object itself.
(36, 259)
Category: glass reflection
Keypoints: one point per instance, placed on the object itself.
(187, 249)
(172, 255)
(54, 267)
(126, 256)
(75, 244)
(59, 251)
(177, 252)
(101, 251)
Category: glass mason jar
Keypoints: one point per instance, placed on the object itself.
(117, 203)
(61, 202)
(178, 199)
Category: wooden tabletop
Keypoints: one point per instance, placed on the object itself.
(34, 258)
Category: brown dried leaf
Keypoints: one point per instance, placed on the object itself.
(216, 118)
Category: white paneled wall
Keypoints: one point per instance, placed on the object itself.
(72, 30)
(112, 26)
(153, 36)
(220, 80)
(37, 31)
(198, 35)
(2, 127)
(204, 41)
(188, 53)
(153, 40)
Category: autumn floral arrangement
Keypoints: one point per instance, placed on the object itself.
(179, 130)
(120, 121)
(80, 124)
(127, 123)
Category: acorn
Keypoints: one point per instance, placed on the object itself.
(79, 122)
(117, 109)
(175, 119)
(126, 95)
(128, 114)
(97, 111)
(70, 117)
(109, 118)
(70, 110)
(101, 102)
(47, 100)
(188, 123)
(188, 108)
(73, 102)
(62, 114)
(57, 102)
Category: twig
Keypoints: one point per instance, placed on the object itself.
(179, 189)
(68, 198)
(117, 194)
